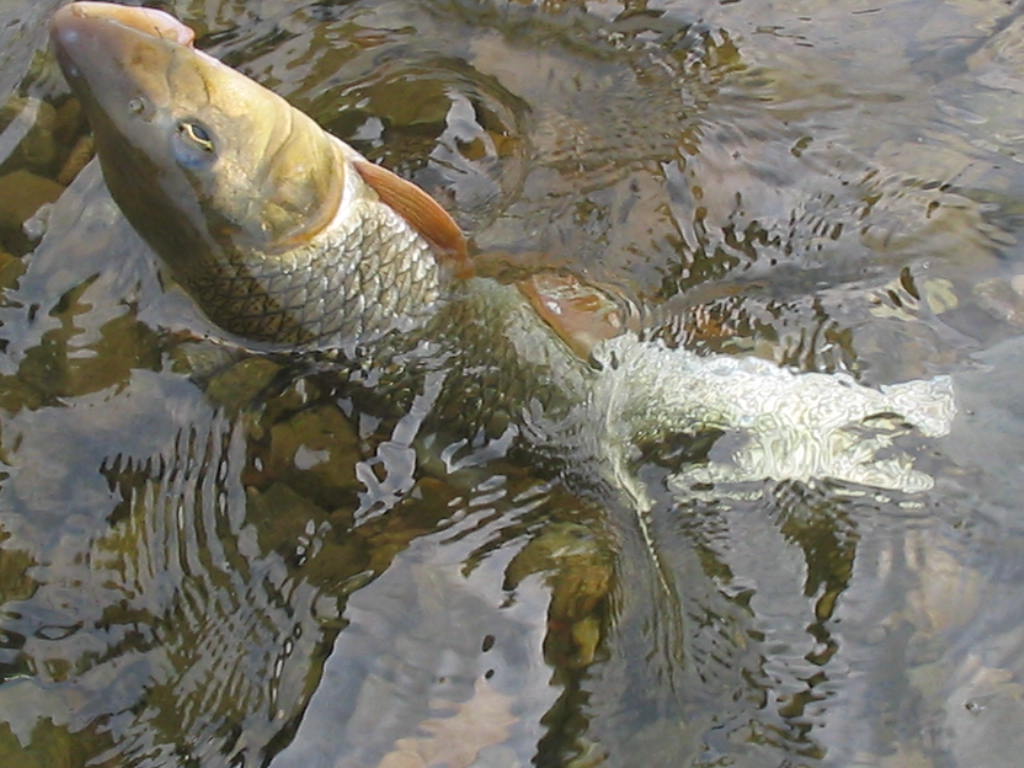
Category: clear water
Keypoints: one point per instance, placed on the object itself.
(220, 563)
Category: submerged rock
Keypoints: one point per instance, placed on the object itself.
(26, 135)
(22, 194)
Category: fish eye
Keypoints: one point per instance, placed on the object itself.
(193, 145)
(196, 134)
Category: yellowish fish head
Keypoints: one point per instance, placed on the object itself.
(206, 163)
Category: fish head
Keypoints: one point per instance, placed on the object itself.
(206, 164)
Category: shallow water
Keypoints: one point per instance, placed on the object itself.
(213, 562)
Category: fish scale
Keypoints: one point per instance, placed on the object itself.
(312, 303)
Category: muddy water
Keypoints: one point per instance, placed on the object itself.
(213, 561)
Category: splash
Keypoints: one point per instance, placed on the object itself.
(775, 423)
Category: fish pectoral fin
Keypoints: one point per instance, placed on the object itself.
(582, 315)
(423, 213)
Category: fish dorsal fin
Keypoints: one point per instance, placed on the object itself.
(423, 213)
(582, 315)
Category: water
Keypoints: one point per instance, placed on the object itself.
(207, 561)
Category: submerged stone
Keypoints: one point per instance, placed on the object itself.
(22, 194)
(26, 135)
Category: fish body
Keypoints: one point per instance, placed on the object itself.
(290, 240)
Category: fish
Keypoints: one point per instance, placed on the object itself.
(293, 243)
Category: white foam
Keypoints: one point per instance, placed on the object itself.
(782, 424)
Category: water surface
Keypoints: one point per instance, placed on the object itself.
(214, 562)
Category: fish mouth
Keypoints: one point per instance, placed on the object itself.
(107, 51)
(75, 25)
